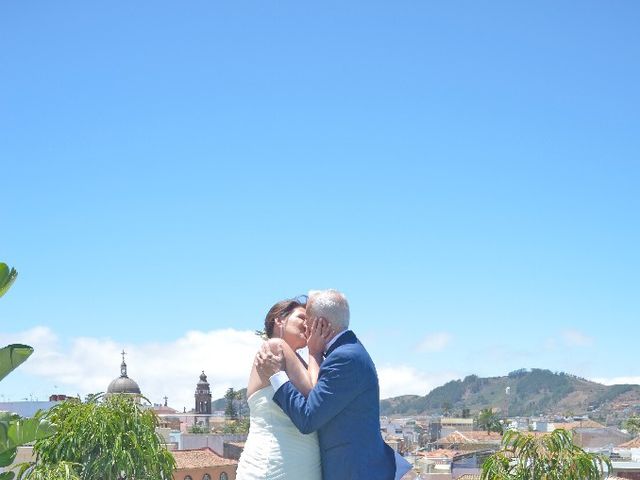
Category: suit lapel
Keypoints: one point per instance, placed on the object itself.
(345, 338)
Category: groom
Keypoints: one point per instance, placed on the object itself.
(344, 406)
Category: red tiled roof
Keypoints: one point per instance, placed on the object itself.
(443, 452)
(201, 458)
(635, 443)
(579, 424)
(470, 437)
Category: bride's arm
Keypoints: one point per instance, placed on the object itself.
(295, 369)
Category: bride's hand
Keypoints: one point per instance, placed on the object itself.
(319, 334)
(269, 359)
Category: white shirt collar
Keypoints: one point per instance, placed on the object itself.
(334, 339)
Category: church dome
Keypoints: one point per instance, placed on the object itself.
(123, 384)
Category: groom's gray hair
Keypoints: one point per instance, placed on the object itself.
(330, 304)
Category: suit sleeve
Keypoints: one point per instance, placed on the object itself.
(338, 384)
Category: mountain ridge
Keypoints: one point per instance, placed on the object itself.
(523, 392)
(532, 392)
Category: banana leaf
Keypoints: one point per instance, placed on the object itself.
(12, 356)
(7, 277)
(7, 476)
(16, 431)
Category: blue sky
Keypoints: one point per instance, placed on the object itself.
(466, 172)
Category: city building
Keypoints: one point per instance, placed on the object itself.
(203, 464)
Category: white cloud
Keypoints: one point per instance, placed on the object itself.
(617, 380)
(87, 365)
(575, 338)
(405, 380)
(435, 342)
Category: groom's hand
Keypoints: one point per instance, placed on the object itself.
(319, 333)
(269, 363)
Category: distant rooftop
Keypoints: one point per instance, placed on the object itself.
(635, 443)
(470, 438)
(200, 458)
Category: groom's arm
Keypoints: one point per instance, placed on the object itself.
(338, 384)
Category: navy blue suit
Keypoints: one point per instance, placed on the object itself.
(344, 408)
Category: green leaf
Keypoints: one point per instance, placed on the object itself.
(12, 356)
(7, 476)
(7, 456)
(29, 430)
(7, 277)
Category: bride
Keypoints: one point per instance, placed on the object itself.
(275, 449)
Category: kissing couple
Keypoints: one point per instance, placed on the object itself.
(317, 419)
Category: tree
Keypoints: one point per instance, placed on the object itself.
(14, 430)
(237, 426)
(633, 425)
(199, 429)
(551, 457)
(231, 412)
(466, 412)
(107, 438)
(489, 421)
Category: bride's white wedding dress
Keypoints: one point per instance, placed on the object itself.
(275, 449)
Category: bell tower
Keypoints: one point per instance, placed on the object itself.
(203, 396)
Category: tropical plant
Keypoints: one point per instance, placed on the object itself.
(107, 438)
(7, 277)
(633, 425)
(553, 456)
(12, 356)
(14, 430)
(489, 421)
(60, 471)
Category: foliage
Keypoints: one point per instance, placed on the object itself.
(489, 421)
(550, 457)
(7, 277)
(12, 356)
(199, 429)
(633, 425)
(14, 430)
(59, 471)
(237, 426)
(231, 396)
(242, 406)
(109, 438)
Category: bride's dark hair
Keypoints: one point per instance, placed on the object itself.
(282, 309)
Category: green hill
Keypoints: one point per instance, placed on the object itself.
(530, 392)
